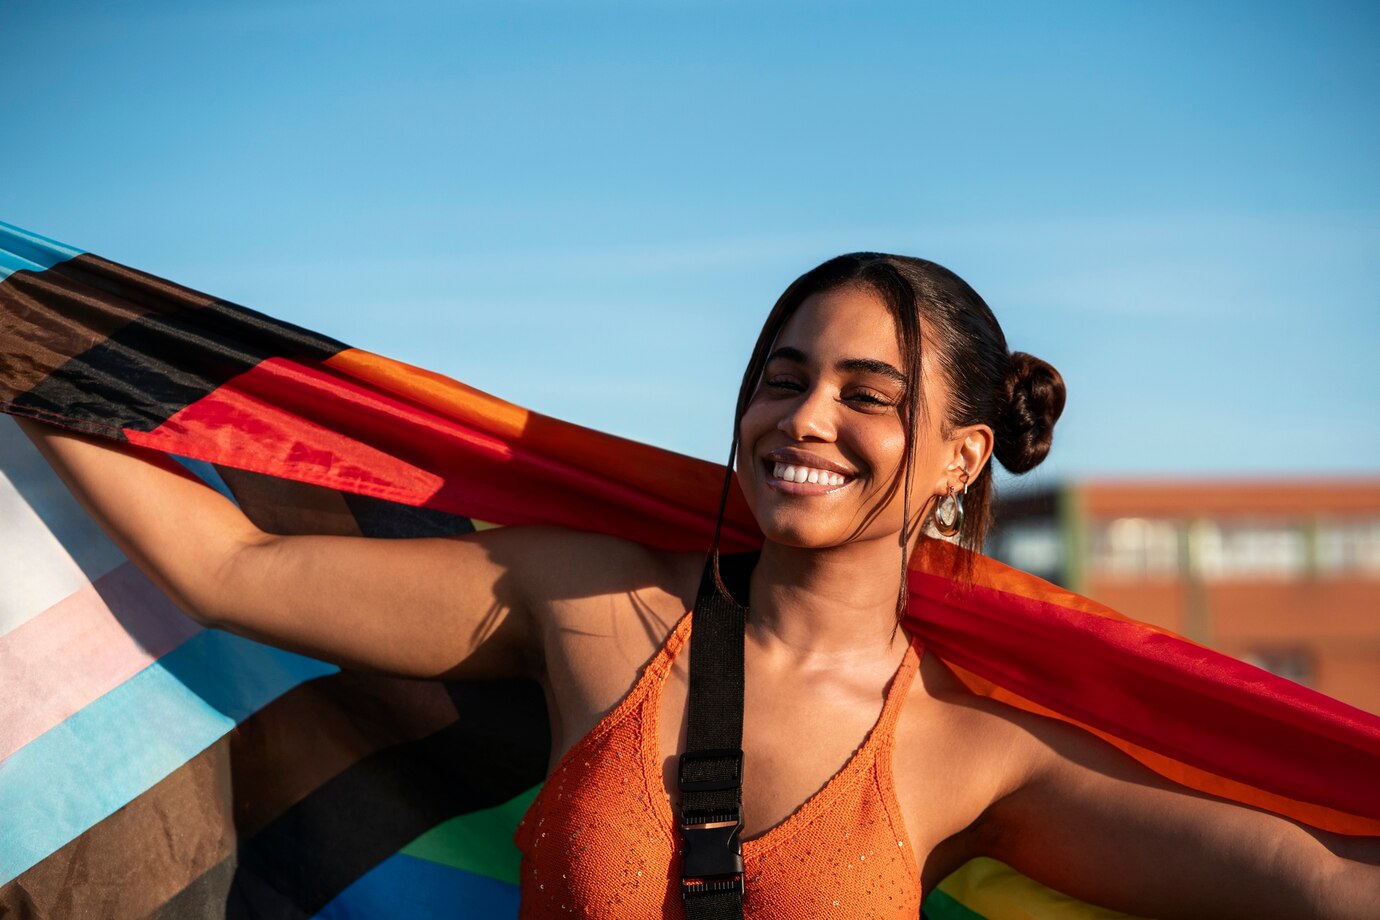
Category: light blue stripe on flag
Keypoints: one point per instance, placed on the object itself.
(81, 771)
(419, 889)
(21, 250)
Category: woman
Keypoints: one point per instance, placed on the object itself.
(879, 391)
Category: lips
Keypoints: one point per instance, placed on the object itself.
(799, 472)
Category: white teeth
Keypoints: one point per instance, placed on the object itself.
(788, 473)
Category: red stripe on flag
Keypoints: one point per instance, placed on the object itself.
(1159, 691)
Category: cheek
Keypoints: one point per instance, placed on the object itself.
(747, 473)
(751, 428)
(890, 446)
(886, 454)
(756, 421)
(880, 444)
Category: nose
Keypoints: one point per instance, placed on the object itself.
(810, 417)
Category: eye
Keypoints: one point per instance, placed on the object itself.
(786, 384)
(870, 398)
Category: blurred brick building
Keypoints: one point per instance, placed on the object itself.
(1284, 574)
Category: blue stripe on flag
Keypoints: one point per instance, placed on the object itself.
(21, 250)
(419, 889)
(83, 770)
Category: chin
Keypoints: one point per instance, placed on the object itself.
(802, 534)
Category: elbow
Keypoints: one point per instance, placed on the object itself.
(215, 599)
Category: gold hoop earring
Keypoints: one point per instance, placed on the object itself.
(948, 514)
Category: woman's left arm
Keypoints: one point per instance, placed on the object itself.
(1091, 822)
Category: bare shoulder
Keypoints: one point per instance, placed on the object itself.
(957, 753)
(986, 739)
(1006, 747)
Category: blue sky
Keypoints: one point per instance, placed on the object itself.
(588, 208)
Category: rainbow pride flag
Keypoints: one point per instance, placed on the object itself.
(153, 768)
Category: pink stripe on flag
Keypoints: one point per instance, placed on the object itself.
(81, 648)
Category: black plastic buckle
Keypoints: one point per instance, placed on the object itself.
(714, 757)
(713, 857)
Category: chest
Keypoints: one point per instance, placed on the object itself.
(801, 743)
(797, 739)
(818, 834)
(794, 743)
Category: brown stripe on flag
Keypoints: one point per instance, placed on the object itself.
(99, 347)
(282, 506)
(321, 785)
(142, 855)
(208, 896)
(273, 760)
(49, 317)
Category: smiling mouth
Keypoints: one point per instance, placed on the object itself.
(786, 472)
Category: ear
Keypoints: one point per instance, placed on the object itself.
(966, 452)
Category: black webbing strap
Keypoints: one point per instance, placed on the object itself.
(711, 769)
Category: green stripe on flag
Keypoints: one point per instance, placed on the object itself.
(941, 906)
(480, 842)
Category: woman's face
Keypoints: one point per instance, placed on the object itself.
(827, 411)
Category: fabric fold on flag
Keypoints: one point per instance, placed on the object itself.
(188, 772)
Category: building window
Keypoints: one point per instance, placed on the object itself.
(1036, 547)
(1136, 548)
(1225, 550)
(1349, 546)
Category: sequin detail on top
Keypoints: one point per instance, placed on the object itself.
(600, 839)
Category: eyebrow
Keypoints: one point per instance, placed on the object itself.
(857, 365)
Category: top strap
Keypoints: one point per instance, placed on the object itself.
(711, 769)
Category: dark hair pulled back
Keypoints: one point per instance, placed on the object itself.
(1017, 395)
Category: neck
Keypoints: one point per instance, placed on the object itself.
(834, 606)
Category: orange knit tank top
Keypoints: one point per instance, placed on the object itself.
(601, 839)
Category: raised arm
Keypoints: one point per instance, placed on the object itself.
(1088, 820)
(453, 606)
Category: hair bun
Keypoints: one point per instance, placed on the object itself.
(1029, 403)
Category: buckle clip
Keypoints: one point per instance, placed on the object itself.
(713, 856)
(707, 771)
(713, 862)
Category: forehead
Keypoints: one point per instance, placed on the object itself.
(848, 322)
